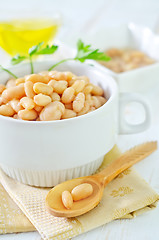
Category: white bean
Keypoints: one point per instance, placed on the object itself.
(82, 191)
(68, 95)
(6, 110)
(78, 103)
(16, 92)
(50, 112)
(68, 114)
(27, 114)
(41, 99)
(42, 88)
(67, 199)
(27, 103)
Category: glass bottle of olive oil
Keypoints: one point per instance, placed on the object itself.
(17, 36)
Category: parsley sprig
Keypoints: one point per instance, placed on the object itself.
(84, 52)
(34, 51)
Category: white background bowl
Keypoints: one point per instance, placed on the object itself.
(134, 37)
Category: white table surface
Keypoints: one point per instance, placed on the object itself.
(86, 16)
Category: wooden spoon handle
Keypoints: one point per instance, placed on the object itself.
(126, 160)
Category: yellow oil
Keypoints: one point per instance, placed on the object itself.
(18, 36)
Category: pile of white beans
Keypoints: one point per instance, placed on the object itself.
(48, 96)
(123, 60)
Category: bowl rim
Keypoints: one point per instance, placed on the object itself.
(88, 115)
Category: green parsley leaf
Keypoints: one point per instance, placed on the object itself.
(82, 47)
(85, 52)
(35, 49)
(47, 50)
(17, 59)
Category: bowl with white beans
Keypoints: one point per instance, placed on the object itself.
(58, 125)
(134, 52)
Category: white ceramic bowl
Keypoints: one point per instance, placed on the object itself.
(139, 80)
(47, 153)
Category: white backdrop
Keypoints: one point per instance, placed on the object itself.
(84, 17)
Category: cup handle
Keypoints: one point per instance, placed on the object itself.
(124, 126)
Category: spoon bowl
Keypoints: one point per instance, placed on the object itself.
(54, 200)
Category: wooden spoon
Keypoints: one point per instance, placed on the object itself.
(54, 200)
